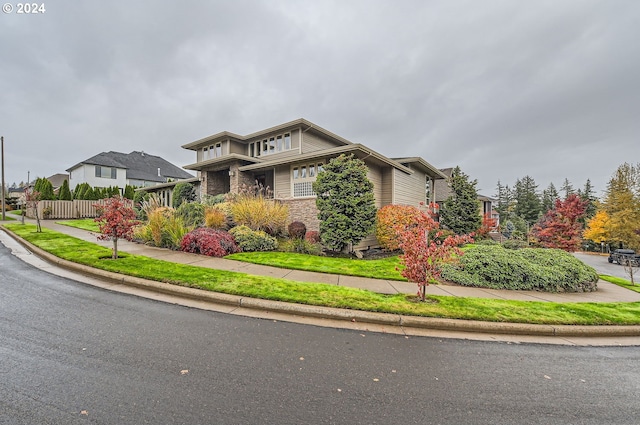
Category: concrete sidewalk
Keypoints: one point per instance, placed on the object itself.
(606, 292)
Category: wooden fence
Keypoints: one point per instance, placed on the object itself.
(66, 209)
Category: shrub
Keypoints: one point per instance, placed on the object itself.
(253, 240)
(211, 200)
(515, 244)
(183, 192)
(46, 212)
(312, 236)
(211, 242)
(492, 266)
(297, 230)
(387, 220)
(259, 213)
(215, 218)
(192, 213)
(302, 246)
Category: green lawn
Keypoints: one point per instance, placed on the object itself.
(623, 282)
(379, 269)
(82, 223)
(79, 251)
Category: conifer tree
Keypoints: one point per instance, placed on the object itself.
(528, 205)
(64, 194)
(460, 212)
(549, 196)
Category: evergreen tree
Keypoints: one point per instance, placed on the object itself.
(567, 188)
(504, 203)
(549, 196)
(45, 189)
(587, 194)
(183, 192)
(64, 194)
(528, 205)
(461, 211)
(345, 202)
(129, 192)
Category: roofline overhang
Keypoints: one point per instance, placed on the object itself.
(199, 166)
(351, 148)
(431, 170)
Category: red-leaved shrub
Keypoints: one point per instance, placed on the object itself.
(312, 236)
(392, 217)
(297, 230)
(211, 242)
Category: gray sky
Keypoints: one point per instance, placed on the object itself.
(503, 89)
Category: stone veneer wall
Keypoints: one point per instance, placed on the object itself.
(303, 210)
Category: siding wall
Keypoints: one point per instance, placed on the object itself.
(236, 147)
(409, 189)
(312, 143)
(283, 182)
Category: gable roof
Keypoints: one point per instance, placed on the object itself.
(57, 179)
(139, 165)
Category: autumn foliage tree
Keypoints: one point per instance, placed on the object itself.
(32, 198)
(560, 227)
(597, 227)
(489, 224)
(424, 251)
(116, 220)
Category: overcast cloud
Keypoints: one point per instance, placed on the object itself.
(503, 89)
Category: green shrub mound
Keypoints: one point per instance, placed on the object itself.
(537, 269)
(253, 240)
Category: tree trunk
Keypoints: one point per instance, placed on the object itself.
(115, 248)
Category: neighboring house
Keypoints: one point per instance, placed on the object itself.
(443, 191)
(57, 180)
(120, 169)
(287, 158)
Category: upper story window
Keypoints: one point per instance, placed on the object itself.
(428, 190)
(213, 151)
(303, 176)
(270, 145)
(106, 172)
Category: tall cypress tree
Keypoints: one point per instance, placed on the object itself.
(64, 194)
(461, 211)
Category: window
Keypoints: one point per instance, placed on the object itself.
(275, 144)
(106, 172)
(303, 178)
(218, 150)
(428, 190)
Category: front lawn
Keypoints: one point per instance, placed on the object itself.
(93, 255)
(384, 268)
(82, 223)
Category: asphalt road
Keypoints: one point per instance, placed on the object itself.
(75, 354)
(602, 266)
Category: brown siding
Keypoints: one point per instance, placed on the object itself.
(409, 189)
(236, 147)
(283, 182)
(375, 176)
(386, 196)
(312, 143)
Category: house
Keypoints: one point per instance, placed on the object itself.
(57, 180)
(287, 158)
(443, 191)
(138, 169)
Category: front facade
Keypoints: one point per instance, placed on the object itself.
(287, 158)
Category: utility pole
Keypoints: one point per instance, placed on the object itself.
(4, 207)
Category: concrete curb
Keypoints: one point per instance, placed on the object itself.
(337, 313)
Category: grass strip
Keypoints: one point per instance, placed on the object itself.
(94, 255)
(622, 282)
(384, 268)
(81, 223)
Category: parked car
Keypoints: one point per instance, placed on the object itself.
(624, 256)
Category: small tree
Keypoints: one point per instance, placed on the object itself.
(129, 192)
(345, 202)
(64, 194)
(117, 220)
(631, 268)
(423, 256)
(560, 227)
(488, 225)
(32, 198)
(45, 189)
